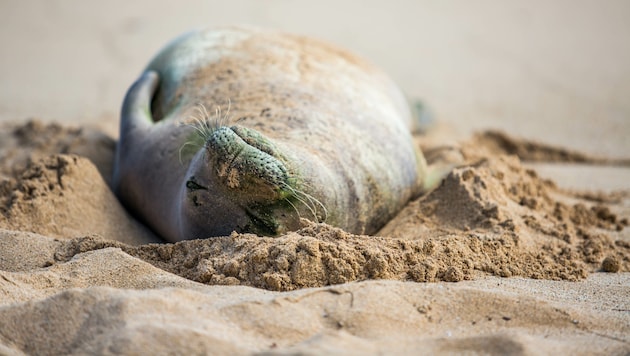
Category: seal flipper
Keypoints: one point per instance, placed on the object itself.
(422, 116)
(135, 117)
(136, 109)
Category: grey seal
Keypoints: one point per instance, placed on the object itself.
(249, 130)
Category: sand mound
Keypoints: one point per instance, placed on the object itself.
(21, 144)
(65, 196)
(70, 253)
(493, 217)
(489, 215)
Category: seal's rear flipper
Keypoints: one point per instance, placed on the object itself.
(440, 162)
(135, 118)
(435, 175)
(422, 116)
(136, 109)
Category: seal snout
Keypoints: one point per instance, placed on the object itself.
(246, 164)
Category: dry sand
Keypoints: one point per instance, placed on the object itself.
(78, 271)
(512, 254)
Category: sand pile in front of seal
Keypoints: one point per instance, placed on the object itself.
(77, 269)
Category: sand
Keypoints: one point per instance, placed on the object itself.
(523, 249)
(71, 255)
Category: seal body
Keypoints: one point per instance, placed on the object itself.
(248, 130)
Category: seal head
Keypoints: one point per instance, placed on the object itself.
(241, 177)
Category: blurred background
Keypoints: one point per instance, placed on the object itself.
(555, 71)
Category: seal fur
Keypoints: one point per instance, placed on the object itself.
(313, 132)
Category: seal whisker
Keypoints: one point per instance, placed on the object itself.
(315, 201)
(197, 124)
(181, 148)
(320, 204)
(310, 208)
(311, 198)
(294, 208)
(226, 117)
(204, 122)
(206, 116)
(295, 194)
(201, 127)
(209, 124)
(206, 125)
(309, 201)
(199, 130)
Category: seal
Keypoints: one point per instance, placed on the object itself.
(300, 129)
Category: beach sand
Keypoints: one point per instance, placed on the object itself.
(524, 248)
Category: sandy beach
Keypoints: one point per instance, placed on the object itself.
(524, 248)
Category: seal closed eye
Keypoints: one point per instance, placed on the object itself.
(313, 132)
